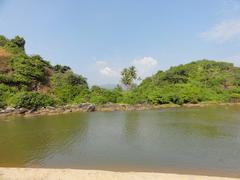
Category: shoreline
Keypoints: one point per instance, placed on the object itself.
(52, 174)
(88, 107)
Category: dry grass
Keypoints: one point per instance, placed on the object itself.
(4, 64)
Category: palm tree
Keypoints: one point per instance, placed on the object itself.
(128, 76)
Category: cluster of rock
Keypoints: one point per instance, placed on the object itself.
(123, 107)
(84, 107)
(11, 110)
(88, 107)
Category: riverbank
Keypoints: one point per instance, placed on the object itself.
(88, 107)
(60, 174)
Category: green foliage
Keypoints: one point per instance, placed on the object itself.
(195, 82)
(15, 45)
(62, 69)
(2, 100)
(30, 81)
(28, 69)
(6, 92)
(3, 40)
(82, 97)
(128, 76)
(127, 97)
(2, 103)
(102, 96)
(77, 80)
(19, 41)
(21, 69)
(118, 93)
(31, 100)
(31, 74)
(68, 86)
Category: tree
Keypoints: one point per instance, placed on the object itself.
(62, 69)
(128, 76)
(67, 86)
(19, 41)
(77, 80)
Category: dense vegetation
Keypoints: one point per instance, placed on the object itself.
(32, 82)
(195, 82)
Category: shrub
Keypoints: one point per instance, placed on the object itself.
(2, 102)
(82, 97)
(101, 96)
(32, 100)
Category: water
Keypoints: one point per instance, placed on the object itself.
(180, 139)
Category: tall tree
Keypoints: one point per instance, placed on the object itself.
(128, 76)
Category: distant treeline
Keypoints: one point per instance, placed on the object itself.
(32, 82)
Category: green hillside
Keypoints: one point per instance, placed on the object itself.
(32, 82)
(195, 82)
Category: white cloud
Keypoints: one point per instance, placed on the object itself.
(224, 31)
(107, 71)
(145, 61)
(146, 66)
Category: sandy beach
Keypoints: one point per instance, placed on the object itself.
(69, 174)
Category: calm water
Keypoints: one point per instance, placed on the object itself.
(181, 139)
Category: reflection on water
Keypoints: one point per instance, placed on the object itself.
(181, 138)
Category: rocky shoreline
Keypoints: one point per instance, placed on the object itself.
(49, 110)
(88, 107)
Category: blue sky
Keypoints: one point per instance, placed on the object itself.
(97, 38)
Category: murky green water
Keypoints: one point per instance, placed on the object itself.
(198, 139)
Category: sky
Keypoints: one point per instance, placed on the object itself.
(98, 38)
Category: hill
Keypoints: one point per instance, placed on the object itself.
(198, 81)
(32, 82)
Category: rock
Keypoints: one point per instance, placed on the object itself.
(68, 107)
(22, 110)
(9, 110)
(91, 108)
(50, 107)
(32, 110)
(2, 111)
(87, 107)
(66, 111)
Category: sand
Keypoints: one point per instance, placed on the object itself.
(69, 174)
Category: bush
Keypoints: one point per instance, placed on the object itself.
(2, 102)
(101, 96)
(6, 92)
(69, 87)
(32, 100)
(82, 97)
